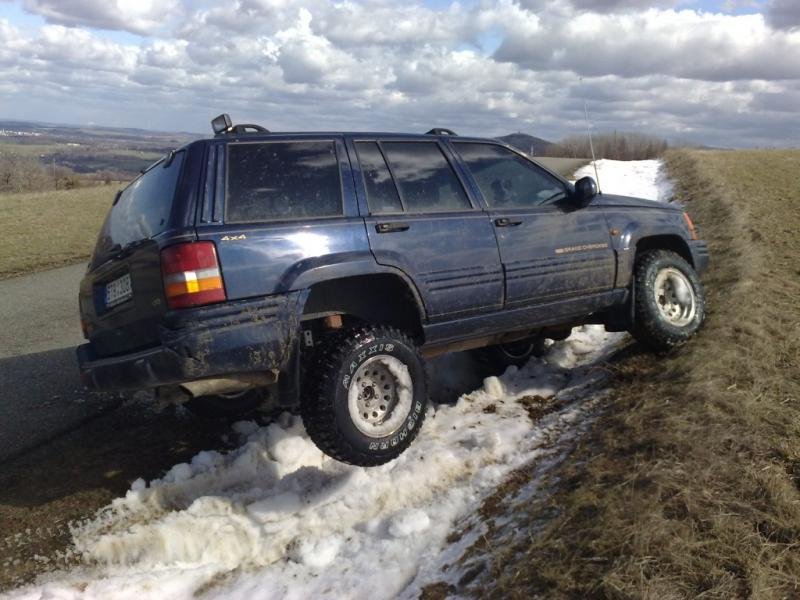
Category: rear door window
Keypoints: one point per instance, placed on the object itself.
(382, 195)
(424, 177)
(506, 179)
(273, 181)
(142, 209)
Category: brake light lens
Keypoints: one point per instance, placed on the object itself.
(690, 226)
(191, 275)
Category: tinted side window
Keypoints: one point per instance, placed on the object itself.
(282, 180)
(381, 191)
(507, 180)
(426, 180)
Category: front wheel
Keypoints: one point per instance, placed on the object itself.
(669, 300)
(368, 397)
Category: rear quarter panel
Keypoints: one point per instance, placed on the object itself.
(260, 259)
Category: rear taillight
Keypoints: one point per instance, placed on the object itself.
(191, 275)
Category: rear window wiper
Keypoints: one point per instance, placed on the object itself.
(118, 251)
(113, 249)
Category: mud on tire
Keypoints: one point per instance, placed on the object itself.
(669, 300)
(358, 407)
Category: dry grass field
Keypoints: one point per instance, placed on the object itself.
(42, 230)
(688, 485)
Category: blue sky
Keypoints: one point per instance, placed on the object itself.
(719, 72)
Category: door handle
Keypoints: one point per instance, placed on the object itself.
(390, 227)
(506, 222)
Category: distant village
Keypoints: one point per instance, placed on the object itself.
(11, 133)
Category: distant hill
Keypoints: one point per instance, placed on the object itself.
(526, 143)
(97, 152)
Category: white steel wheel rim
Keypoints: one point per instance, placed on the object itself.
(675, 297)
(379, 396)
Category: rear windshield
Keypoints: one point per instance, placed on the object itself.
(142, 209)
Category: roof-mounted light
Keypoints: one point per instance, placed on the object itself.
(223, 126)
(222, 123)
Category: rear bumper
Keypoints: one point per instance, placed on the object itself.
(700, 256)
(236, 337)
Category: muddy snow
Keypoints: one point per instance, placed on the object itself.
(275, 518)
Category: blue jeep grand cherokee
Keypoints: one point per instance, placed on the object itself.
(331, 263)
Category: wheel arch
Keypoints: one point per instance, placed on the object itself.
(383, 297)
(622, 317)
(667, 241)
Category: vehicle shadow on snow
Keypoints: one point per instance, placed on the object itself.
(452, 375)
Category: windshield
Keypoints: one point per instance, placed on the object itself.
(142, 209)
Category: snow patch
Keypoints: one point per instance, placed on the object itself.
(638, 178)
(317, 554)
(408, 522)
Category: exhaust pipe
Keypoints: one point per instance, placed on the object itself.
(229, 384)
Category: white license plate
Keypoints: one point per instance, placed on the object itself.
(119, 291)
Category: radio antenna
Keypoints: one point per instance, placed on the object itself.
(591, 147)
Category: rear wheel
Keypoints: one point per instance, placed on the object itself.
(669, 300)
(499, 356)
(368, 397)
(227, 405)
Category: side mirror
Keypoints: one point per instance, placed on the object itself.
(585, 190)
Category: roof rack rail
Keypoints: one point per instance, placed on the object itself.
(222, 125)
(440, 131)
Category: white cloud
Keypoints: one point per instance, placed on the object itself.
(679, 43)
(717, 79)
(136, 16)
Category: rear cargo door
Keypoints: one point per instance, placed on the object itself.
(121, 297)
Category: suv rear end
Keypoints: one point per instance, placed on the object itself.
(153, 302)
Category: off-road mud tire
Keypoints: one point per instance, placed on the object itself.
(651, 328)
(324, 406)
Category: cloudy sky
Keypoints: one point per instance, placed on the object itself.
(718, 72)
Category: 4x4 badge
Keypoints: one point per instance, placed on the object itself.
(233, 238)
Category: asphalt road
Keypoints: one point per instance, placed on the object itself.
(40, 392)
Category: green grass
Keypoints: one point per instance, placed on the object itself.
(688, 485)
(56, 148)
(42, 230)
